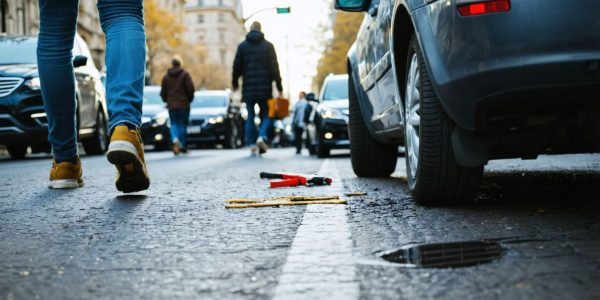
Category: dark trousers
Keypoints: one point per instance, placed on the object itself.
(298, 131)
(179, 122)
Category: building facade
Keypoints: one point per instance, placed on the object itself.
(217, 25)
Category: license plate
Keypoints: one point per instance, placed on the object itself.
(193, 129)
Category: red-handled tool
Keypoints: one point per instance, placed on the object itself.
(294, 180)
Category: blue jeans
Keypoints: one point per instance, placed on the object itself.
(123, 24)
(265, 121)
(179, 121)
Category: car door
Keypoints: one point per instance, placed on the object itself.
(87, 91)
(388, 116)
(374, 56)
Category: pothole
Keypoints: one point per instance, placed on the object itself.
(445, 255)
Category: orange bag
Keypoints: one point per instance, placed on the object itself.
(278, 108)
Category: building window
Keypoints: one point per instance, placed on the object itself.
(220, 2)
(221, 18)
(200, 2)
(200, 18)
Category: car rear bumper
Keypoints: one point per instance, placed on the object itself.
(540, 54)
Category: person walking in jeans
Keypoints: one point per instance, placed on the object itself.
(123, 24)
(298, 121)
(256, 62)
(177, 90)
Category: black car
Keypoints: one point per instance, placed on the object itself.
(23, 120)
(155, 128)
(462, 82)
(328, 125)
(215, 119)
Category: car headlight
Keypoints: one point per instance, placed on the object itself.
(33, 83)
(331, 114)
(215, 120)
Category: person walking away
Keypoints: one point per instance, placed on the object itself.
(298, 121)
(123, 23)
(177, 90)
(256, 62)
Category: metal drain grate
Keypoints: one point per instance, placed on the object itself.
(445, 255)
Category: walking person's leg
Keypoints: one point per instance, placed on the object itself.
(58, 24)
(175, 127)
(249, 126)
(298, 138)
(123, 24)
(265, 124)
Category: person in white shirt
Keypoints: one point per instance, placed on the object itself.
(298, 121)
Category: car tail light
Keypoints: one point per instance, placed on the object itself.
(480, 8)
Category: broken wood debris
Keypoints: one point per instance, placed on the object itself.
(284, 201)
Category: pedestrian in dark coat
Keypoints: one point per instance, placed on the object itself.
(177, 90)
(256, 62)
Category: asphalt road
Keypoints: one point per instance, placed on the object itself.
(177, 240)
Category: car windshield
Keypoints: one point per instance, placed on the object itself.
(336, 89)
(209, 101)
(18, 51)
(152, 97)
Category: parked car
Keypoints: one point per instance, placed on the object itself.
(155, 128)
(328, 125)
(283, 135)
(463, 82)
(216, 119)
(23, 121)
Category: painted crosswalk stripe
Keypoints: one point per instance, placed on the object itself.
(320, 264)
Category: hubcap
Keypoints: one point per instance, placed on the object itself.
(412, 115)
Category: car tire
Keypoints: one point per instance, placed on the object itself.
(369, 157)
(17, 151)
(434, 177)
(322, 150)
(99, 142)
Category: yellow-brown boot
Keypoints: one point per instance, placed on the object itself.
(66, 175)
(126, 152)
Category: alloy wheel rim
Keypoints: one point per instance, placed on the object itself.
(412, 115)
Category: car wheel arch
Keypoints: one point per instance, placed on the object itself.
(401, 33)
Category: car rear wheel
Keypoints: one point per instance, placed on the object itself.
(97, 145)
(434, 177)
(369, 157)
(17, 151)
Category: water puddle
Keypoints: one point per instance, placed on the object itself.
(445, 255)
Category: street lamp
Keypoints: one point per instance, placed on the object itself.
(279, 10)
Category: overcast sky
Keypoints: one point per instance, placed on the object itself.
(299, 27)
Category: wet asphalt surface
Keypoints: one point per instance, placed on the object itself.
(177, 240)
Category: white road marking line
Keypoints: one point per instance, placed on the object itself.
(320, 264)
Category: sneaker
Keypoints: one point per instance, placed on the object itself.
(126, 152)
(176, 147)
(66, 175)
(262, 145)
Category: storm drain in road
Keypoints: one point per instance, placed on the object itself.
(445, 255)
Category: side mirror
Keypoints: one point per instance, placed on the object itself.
(352, 5)
(79, 61)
